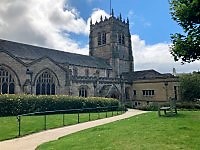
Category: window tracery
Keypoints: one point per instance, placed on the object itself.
(45, 84)
(7, 84)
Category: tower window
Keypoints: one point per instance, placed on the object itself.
(101, 38)
(121, 39)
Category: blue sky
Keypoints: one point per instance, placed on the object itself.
(149, 19)
(64, 25)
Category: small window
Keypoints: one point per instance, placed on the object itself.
(75, 71)
(134, 92)
(97, 73)
(135, 103)
(87, 72)
(107, 73)
(148, 92)
(83, 92)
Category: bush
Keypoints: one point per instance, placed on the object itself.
(22, 104)
(150, 107)
(188, 105)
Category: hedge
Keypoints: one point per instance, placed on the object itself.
(21, 104)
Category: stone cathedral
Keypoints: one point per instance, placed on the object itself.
(108, 71)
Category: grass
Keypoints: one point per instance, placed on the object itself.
(142, 132)
(33, 124)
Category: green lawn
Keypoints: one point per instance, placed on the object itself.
(32, 124)
(142, 132)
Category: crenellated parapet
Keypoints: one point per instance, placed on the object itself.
(112, 19)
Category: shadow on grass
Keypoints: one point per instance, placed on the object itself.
(172, 115)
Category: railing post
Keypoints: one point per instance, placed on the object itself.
(78, 117)
(106, 113)
(19, 125)
(98, 113)
(112, 111)
(89, 115)
(45, 122)
(63, 119)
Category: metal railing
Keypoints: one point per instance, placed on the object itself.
(72, 111)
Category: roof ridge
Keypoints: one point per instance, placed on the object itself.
(23, 50)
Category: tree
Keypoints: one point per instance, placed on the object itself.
(190, 86)
(187, 14)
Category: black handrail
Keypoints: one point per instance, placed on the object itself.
(74, 111)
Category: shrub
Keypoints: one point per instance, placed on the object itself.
(150, 107)
(21, 104)
(188, 105)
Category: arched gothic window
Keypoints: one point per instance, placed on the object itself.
(7, 84)
(45, 84)
(83, 92)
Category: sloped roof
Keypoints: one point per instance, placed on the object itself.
(25, 51)
(145, 75)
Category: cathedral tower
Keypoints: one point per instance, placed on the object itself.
(110, 39)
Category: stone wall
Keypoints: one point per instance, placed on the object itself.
(19, 70)
(163, 91)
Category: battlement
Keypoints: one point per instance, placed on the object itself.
(111, 20)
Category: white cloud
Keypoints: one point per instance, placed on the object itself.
(45, 23)
(157, 57)
(49, 23)
(41, 22)
(95, 16)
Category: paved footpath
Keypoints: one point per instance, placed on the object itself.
(30, 142)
